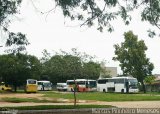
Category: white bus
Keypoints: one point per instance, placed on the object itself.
(61, 86)
(44, 85)
(82, 85)
(118, 84)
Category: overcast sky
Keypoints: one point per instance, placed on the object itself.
(53, 32)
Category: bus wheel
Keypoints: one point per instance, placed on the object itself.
(2, 88)
(104, 90)
(122, 91)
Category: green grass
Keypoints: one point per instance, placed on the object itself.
(19, 100)
(46, 107)
(105, 96)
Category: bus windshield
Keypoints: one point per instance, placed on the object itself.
(81, 82)
(32, 81)
(133, 83)
(47, 84)
(92, 84)
(70, 83)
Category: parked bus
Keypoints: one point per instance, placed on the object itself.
(70, 85)
(5, 87)
(86, 85)
(82, 85)
(44, 85)
(118, 84)
(31, 86)
(62, 86)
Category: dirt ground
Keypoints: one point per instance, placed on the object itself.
(128, 104)
(21, 95)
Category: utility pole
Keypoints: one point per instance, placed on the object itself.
(75, 86)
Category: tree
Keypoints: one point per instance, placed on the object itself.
(60, 68)
(91, 70)
(15, 70)
(132, 58)
(9, 8)
(92, 12)
(65, 66)
(103, 12)
(17, 43)
(149, 80)
(46, 56)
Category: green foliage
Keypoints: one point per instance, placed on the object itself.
(91, 70)
(20, 100)
(8, 8)
(132, 57)
(105, 11)
(151, 34)
(92, 12)
(149, 79)
(16, 42)
(46, 107)
(15, 69)
(65, 66)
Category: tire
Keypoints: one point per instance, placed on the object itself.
(122, 91)
(71, 89)
(104, 90)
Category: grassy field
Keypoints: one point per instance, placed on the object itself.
(105, 96)
(52, 96)
(19, 100)
(46, 107)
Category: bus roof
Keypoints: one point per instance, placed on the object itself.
(31, 79)
(123, 77)
(84, 80)
(80, 80)
(117, 78)
(69, 80)
(61, 83)
(43, 81)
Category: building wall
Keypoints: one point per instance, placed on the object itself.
(112, 71)
(108, 71)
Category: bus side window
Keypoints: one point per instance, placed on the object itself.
(87, 84)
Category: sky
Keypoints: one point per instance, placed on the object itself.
(53, 32)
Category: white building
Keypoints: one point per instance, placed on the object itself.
(108, 71)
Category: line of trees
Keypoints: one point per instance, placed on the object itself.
(16, 68)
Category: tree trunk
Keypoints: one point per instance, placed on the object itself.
(151, 88)
(15, 88)
(144, 87)
(75, 100)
